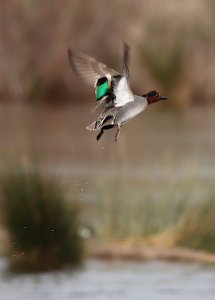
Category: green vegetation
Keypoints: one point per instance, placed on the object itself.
(123, 211)
(42, 226)
(171, 214)
(197, 229)
(168, 66)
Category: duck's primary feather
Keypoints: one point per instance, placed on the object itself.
(88, 68)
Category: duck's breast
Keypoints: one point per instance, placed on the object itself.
(130, 110)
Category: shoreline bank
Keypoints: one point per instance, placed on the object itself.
(129, 250)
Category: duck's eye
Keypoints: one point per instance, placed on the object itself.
(153, 94)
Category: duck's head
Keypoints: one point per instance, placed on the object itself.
(154, 96)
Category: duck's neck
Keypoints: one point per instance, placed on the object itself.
(141, 101)
(149, 100)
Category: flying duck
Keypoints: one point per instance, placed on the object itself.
(112, 91)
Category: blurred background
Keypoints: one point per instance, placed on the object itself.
(86, 220)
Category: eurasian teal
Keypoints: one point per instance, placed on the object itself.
(112, 90)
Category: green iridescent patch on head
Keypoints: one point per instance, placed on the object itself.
(102, 90)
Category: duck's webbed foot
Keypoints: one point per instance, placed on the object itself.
(117, 133)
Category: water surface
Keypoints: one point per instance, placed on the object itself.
(156, 142)
(113, 280)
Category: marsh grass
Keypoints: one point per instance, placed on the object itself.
(168, 68)
(42, 226)
(34, 62)
(197, 228)
(123, 211)
(163, 213)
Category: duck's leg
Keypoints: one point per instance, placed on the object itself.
(100, 134)
(106, 127)
(117, 133)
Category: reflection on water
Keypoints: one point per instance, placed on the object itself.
(113, 280)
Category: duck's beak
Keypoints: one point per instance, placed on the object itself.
(163, 98)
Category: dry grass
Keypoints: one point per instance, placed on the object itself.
(35, 36)
(140, 250)
(197, 228)
(158, 214)
(124, 211)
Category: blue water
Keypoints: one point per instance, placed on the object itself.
(113, 280)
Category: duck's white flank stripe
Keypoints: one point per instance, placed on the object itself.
(123, 93)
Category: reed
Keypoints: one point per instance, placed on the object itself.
(34, 62)
(197, 228)
(42, 227)
(130, 212)
(168, 68)
(154, 212)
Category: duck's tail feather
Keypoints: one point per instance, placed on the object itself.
(96, 125)
(91, 126)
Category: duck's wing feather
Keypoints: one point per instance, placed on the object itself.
(121, 84)
(122, 91)
(91, 70)
(88, 68)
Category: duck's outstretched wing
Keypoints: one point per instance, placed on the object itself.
(112, 89)
(126, 59)
(121, 85)
(88, 68)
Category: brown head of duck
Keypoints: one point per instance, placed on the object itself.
(154, 96)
